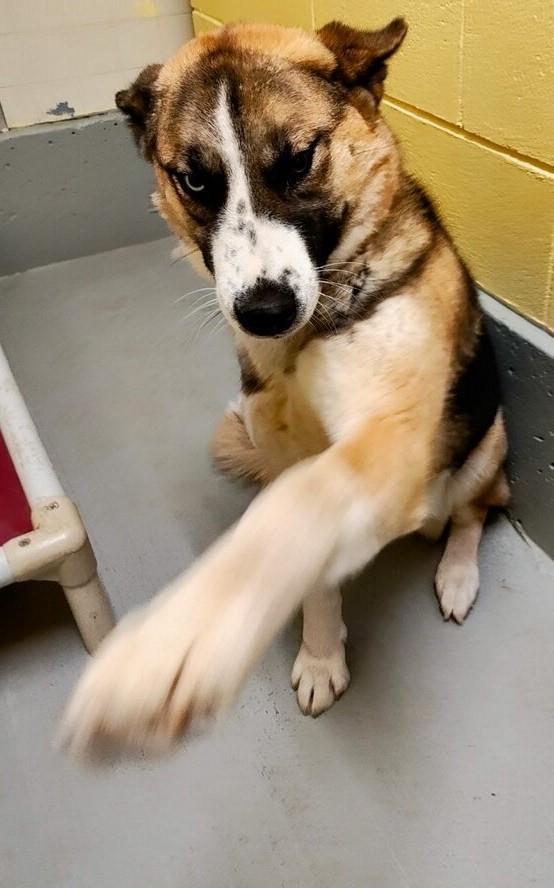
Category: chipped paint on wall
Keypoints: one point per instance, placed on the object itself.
(62, 109)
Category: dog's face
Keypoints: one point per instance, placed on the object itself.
(251, 132)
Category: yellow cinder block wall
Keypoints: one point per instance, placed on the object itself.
(471, 96)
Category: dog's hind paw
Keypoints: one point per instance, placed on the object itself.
(456, 585)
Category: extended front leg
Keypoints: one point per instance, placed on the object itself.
(320, 674)
(186, 655)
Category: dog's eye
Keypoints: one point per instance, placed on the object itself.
(207, 188)
(301, 162)
(194, 182)
(200, 187)
(290, 169)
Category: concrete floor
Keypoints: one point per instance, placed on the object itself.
(436, 770)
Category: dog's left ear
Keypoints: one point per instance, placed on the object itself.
(362, 55)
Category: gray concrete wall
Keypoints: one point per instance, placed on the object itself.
(72, 189)
(525, 357)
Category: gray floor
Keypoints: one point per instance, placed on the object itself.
(436, 770)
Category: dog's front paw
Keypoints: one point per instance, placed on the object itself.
(319, 681)
(160, 673)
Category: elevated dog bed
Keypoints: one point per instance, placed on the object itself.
(42, 535)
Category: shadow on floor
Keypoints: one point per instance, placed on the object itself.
(31, 610)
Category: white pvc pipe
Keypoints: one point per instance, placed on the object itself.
(30, 460)
(6, 575)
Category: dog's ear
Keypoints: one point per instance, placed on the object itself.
(362, 55)
(138, 104)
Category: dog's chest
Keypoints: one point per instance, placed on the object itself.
(280, 418)
(304, 402)
(322, 392)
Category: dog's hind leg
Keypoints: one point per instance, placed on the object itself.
(457, 579)
(233, 452)
(480, 484)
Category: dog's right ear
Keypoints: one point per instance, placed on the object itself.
(138, 104)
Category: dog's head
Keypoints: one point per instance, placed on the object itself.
(255, 133)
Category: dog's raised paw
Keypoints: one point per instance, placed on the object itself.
(161, 673)
(319, 681)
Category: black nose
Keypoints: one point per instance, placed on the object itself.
(266, 309)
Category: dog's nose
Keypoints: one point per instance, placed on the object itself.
(266, 309)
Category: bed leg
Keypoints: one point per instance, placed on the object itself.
(86, 596)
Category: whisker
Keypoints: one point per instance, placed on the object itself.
(195, 329)
(203, 299)
(327, 318)
(333, 302)
(345, 287)
(192, 292)
(198, 309)
(211, 317)
(187, 318)
(336, 267)
(340, 262)
(219, 326)
(360, 260)
(180, 257)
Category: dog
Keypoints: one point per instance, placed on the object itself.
(369, 405)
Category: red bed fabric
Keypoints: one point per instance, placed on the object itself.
(15, 515)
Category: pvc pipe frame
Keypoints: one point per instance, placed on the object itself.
(30, 460)
(58, 547)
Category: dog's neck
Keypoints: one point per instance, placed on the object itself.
(270, 355)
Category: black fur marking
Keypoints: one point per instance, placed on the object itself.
(476, 395)
(249, 379)
(321, 235)
(207, 255)
(362, 305)
(427, 207)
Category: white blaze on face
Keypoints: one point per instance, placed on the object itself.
(248, 247)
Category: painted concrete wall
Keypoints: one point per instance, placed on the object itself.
(66, 58)
(470, 96)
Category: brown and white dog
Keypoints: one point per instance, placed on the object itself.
(369, 405)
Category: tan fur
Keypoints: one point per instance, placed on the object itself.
(290, 44)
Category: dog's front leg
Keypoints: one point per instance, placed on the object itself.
(320, 674)
(185, 656)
